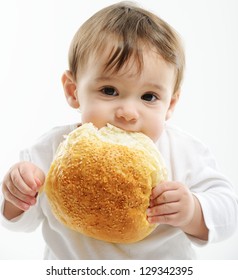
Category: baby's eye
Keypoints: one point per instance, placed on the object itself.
(109, 91)
(151, 97)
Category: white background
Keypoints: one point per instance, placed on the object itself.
(35, 36)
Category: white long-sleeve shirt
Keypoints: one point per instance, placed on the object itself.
(187, 160)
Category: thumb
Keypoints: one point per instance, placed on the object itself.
(38, 182)
(39, 177)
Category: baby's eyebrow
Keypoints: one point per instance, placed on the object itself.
(156, 86)
(104, 78)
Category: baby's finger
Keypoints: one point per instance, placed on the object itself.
(14, 200)
(16, 179)
(29, 199)
(163, 209)
(164, 219)
(163, 187)
(39, 177)
(165, 197)
(27, 176)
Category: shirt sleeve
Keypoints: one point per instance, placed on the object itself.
(29, 220)
(217, 196)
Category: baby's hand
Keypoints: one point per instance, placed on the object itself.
(171, 203)
(21, 184)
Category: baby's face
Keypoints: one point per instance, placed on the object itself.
(132, 101)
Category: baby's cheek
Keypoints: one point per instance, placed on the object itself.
(95, 117)
(155, 132)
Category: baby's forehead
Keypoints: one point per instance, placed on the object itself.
(116, 55)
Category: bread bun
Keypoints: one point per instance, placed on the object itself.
(100, 182)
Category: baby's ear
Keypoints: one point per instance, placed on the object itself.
(173, 102)
(70, 89)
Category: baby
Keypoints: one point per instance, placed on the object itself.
(125, 68)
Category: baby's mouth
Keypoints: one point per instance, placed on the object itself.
(126, 127)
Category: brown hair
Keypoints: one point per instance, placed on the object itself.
(128, 28)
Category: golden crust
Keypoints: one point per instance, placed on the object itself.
(100, 182)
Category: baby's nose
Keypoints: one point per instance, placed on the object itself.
(128, 112)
